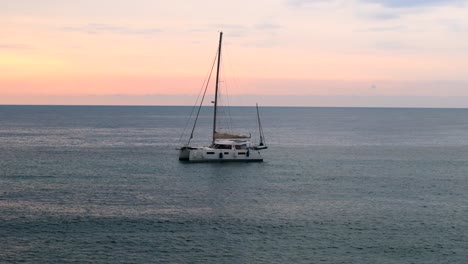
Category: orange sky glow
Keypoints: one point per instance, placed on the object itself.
(52, 51)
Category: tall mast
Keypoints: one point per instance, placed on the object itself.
(260, 129)
(217, 83)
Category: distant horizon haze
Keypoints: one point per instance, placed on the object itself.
(247, 100)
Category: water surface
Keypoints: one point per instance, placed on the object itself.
(338, 185)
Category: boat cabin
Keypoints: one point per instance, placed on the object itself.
(231, 144)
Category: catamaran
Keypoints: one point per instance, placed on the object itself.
(224, 146)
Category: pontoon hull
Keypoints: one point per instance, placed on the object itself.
(219, 155)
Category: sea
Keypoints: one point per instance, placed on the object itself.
(103, 184)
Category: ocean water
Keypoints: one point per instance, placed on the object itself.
(338, 185)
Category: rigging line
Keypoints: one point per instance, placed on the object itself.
(228, 119)
(203, 97)
(225, 101)
(257, 127)
(222, 110)
(260, 128)
(221, 117)
(196, 101)
(227, 52)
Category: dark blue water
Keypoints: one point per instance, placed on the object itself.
(338, 185)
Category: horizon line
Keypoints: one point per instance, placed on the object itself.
(270, 106)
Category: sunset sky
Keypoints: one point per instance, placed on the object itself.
(278, 52)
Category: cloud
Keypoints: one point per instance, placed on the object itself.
(383, 15)
(300, 3)
(454, 25)
(392, 46)
(239, 30)
(262, 43)
(235, 30)
(396, 9)
(414, 3)
(384, 29)
(267, 26)
(96, 28)
(262, 34)
(9, 46)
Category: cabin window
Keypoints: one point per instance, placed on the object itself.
(221, 146)
(241, 153)
(210, 153)
(226, 153)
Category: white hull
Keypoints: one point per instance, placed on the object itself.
(206, 154)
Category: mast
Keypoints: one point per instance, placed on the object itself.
(260, 129)
(217, 84)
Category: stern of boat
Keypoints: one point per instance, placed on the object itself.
(184, 153)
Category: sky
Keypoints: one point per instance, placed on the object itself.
(371, 53)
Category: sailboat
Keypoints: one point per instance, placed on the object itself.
(224, 146)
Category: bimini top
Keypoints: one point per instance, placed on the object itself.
(231, 142)
(218, 135)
